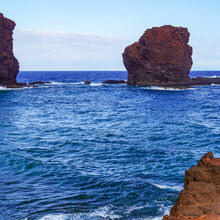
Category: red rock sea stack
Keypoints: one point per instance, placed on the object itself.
(162, 56)
(9, 66)
(200, 198)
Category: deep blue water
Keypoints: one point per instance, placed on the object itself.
(74, 151)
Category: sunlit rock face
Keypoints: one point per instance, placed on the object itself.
(9, 66)
(161, 56)
(200, 198)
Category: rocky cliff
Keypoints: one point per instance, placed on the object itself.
(161, 56)
(200, 198)
(9, 66)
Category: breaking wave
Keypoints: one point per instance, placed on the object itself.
(166, 88)
(101, 213)
(175, 188)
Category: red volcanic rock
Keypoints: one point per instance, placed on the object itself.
(9, 66)
(162, 56)
(200, 198)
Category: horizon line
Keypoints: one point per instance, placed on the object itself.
(97, 70)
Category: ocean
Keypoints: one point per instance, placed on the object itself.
(75, 151)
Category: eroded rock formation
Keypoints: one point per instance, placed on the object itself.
(161, 56)
(200, 198)
(9, 66)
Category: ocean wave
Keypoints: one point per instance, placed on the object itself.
(2, 88)
(212, 76)
(166, 88)
(175, 188)
(83, 216)
(100, 213)
(96, 84)
(55, 217)
(65, 83)
(133, 208)
(75, 83)
(215, 84)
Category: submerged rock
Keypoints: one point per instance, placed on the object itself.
(162, 56)
(200, 198)
(9, 66)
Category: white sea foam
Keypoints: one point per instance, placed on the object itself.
(215, 84)
(166, 212)
(132, 208)
(100, 213)
(166, 88)
(212, 76)
(103, 213)
(96, 84)
(176, 188)
(55, 217)
(76, 83)
(155, 218)
(65, 83)
(2, 88)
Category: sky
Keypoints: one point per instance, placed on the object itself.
(92, 34)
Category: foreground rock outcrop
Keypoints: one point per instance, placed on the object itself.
(9, 66)
(200, 198)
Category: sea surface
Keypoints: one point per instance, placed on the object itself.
(75, 151)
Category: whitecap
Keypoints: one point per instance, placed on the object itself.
(176, 188)
(156, 218)
(2, 88)
(55, 217)
(166, 88)
(103, 213)
(133, 208)
(65, 83)
(214, 76)
(96, 84)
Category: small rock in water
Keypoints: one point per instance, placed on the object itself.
(115, 81)
(87, 82)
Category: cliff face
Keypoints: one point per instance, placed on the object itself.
(200, 198)
(161, 56)
(9, 66)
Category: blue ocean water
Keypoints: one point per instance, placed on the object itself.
(74, 151)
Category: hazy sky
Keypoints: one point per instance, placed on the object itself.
(92, 34)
